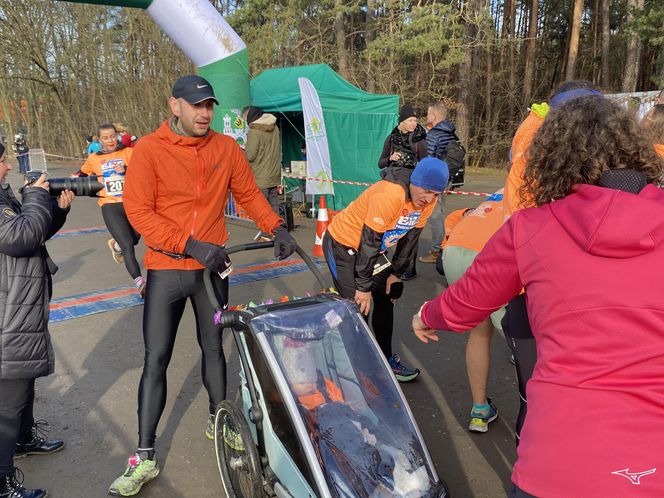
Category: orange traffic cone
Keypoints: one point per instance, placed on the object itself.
(321, 226)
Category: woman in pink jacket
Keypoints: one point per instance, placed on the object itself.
(591, 264)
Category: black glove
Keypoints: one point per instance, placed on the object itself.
(211, 256)
(284, 243)
(396, 289)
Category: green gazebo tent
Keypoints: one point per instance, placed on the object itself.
(357, 122)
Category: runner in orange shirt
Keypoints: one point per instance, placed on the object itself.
(110, 164)
(390, 213)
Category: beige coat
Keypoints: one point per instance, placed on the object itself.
(263, 151)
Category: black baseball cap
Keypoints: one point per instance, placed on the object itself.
(193, 89)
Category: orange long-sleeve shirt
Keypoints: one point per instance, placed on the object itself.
(103, 165)
(177, 187)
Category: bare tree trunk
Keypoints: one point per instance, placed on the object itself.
(468, 90)
(633, 61)
(606, 37)
(531, 49)
(340, 38)
(575, 32)
(370, 79)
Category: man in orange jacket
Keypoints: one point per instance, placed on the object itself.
(175, 194)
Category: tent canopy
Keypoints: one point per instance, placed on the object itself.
(357, 122)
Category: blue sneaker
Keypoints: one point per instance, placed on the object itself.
(479, 422)
(401, 371)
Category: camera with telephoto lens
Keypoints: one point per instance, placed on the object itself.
(82, 187)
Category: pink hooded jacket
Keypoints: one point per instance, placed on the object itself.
(592, 265)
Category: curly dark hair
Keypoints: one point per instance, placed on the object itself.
(577, 142)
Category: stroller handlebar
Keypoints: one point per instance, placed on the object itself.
(228, 319)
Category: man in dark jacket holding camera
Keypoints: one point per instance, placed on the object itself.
(25, 345)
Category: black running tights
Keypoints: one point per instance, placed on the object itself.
(124, 234)
(17, 399)
(516, 327)
(166, 294)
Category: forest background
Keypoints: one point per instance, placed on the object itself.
(67, 67)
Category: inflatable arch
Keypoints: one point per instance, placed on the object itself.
(212, 45)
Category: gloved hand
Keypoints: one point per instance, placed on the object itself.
(211, 256)
(284, 243)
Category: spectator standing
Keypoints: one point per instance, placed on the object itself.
(22, 150)
(175, 196)
(263, 151)
(403, 148)
(26, 352)
(441, 133)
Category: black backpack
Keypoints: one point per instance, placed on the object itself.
(454, 155)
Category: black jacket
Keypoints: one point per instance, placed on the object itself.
(25, 344)
(412, 147)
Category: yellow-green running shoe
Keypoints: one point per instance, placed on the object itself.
(480, 422)
(209, 429)
(138, 472)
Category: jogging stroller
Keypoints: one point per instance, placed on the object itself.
(318, 412)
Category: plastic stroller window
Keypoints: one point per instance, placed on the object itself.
(363, 435)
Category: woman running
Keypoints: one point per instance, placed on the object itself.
(110, 165)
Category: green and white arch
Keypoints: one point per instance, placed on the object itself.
(213, 46)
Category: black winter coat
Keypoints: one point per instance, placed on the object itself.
(26, 351)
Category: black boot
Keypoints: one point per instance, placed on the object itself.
(37, 443)
(11, 487)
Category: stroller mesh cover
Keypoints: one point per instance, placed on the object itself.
(362, 432)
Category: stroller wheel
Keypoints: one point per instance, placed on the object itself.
(237, 456)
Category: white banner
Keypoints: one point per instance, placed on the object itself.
(318, 153)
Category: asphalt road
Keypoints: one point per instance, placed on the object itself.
(90, 401)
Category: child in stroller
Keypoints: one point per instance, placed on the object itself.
(352, 446)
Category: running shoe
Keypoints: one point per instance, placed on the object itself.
(232, 437)
(479, 422)
(116, 253)
(138, 472)
(209, 429)
(401, 371)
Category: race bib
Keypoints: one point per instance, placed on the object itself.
(113, 181)
(403, 225)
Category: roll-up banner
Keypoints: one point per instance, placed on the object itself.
(318, 153)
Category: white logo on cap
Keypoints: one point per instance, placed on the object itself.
(201, 86)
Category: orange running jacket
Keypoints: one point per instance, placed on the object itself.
(177, 187)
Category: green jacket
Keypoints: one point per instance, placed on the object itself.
(263, 151)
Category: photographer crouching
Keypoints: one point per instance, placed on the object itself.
(25, 345)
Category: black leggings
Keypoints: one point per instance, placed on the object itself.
(165, 298)
(516, 327)
(17, 398)
(342, 268)
(124, 234)
(517, 492)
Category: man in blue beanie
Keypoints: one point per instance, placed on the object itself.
(389, 214)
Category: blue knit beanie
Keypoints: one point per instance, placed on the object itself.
(430, 174)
